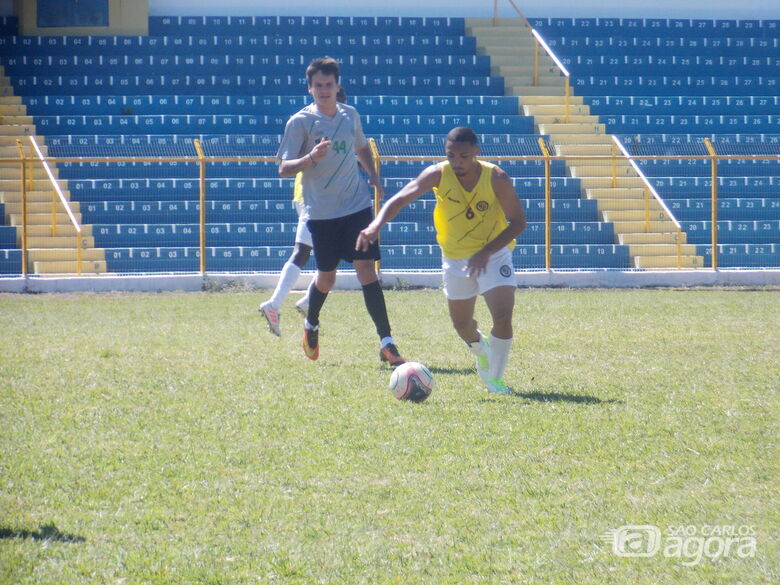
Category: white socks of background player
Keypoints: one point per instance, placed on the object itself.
(287, 278)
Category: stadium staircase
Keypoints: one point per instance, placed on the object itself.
(639, 220)
(51, 235)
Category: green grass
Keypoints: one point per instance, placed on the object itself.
(169, 438)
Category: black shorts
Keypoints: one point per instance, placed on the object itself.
(334, 239)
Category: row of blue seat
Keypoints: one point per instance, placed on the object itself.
(765, 231)
(150, 172)
(658, 26)
(683, 105)
(261, 145)
(272, 66)
(64, 105)
(702, 168)
(336, 46)
(696, 65)
(677, 46)
(277, 210)
(251, 85)
(309, 25)
(273, 234)
(245, 123)
(423, 256)
(727, 186)
(732, 209)
(691, 123)
(673, 85)
(742, 255)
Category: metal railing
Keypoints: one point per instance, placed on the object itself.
(619, 153)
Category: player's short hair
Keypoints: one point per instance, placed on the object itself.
(462, 134)
(324, 65)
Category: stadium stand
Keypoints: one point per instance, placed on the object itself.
(233, 82)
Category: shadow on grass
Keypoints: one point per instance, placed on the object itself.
(556, 397)
(48, 533)
(458, 371)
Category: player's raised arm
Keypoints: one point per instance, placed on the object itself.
(414, 189)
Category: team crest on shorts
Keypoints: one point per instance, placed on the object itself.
(505, 271)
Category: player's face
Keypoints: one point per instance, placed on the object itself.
(323, 88)
(462, 157)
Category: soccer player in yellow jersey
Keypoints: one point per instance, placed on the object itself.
(477, 217)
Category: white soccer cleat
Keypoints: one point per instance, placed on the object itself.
(273, 316)
(302, 306)
(497, 386)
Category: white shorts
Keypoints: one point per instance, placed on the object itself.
(302, 233)
(459, 286)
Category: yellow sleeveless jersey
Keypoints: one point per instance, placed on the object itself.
(466, 221)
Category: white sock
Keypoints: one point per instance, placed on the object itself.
(287, 279)
(499, 355)
(385, 341)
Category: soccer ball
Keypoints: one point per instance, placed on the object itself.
(411, 381)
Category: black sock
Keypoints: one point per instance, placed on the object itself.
(316, 300)
(375, 303)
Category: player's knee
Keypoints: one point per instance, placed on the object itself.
(301, 256)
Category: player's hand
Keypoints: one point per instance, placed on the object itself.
(366, 237)
(320, 150)
(478, 263)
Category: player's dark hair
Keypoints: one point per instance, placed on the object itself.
(324, 65)
(462, 134)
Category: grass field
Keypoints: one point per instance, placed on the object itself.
(169, 438)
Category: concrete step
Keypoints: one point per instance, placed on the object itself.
(518, 52)
(41, 218)
(629, 205)
(59, 241)
(11, 100)
(661, 249)
(69, 267)
(556, 110)
(39, 207)
(64, 254)
(573, 118)
(16, 119)
(636, 195)
(520, 80)
(639, 215)
(526, 69)
(651, 238)
(484, 21)
(65, 230)
(32, 196)
(668, 262)
(15, 185)
(572, 129)
(17, 130)
(606, 182)
(595, 139)
(524, 91)
(621, 168)
(550, 100)
(604, 149)
(664, 226)
(17, 109)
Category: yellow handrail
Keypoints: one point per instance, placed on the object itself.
(23, 166)
(202, 213)
(377, 202)
(547, 206)
(63, 200)
(714, 194)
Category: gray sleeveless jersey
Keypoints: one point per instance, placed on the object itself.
(334, 186)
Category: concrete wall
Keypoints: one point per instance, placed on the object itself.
(125, 17)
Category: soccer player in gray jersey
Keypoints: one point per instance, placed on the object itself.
(324, 142)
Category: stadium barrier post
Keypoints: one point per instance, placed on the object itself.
(23, 165)
(377, 202)
(714, 165)
(202, 214)
(547, 206)
(536, 62)
(495, 12)
(614, 165)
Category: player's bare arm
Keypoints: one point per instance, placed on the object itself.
(292, 166)
(414, 189)
(366, 160)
